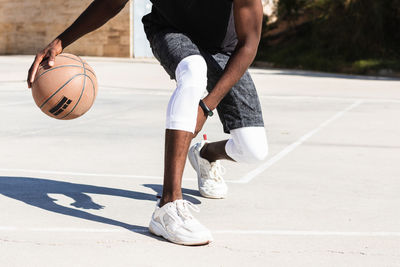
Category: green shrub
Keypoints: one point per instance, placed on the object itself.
(351, 35)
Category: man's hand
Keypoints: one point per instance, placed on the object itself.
(201, 119)
(48, 54)
(98, 13)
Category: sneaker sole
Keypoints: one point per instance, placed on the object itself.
(157, 230)
(212, 196)
(195, 165)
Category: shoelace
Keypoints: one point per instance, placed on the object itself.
(183, 207)
(216, 171)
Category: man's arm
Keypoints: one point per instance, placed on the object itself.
(95, 16)
(248, 21)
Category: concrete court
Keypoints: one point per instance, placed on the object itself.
(81, 192)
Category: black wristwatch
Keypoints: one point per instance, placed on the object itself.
(207, 111)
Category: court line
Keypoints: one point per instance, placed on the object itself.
(12, 81)
(261, 168)
(327, 98)
(68, 125)
(15, 103)
(167, 92)
(233, 232)
(308, 233)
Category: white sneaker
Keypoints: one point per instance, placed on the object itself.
(174, 222)
(209, 175)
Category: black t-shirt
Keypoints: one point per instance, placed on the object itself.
(209, 23)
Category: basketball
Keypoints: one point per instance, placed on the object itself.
(66, 90)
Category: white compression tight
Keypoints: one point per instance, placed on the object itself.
(191, 82)
(248, 144)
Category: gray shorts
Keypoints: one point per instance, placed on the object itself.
(240, 107)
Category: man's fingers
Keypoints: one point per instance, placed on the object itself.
(28, 80)
(33, 69)
(52, 57)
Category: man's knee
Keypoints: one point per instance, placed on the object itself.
(191, 78)
(248, 145)
(192, 72)
(254, 154)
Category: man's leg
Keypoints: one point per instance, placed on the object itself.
(176, 148)
(191, 79)
(240, 109)
(215, 151)
(247, 144)
(172, 218)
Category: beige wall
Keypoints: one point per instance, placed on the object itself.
(26, 26)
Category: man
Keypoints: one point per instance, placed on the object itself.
(202, 44)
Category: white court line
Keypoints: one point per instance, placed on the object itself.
(307, 233)
(136, 91)
(245, 179)
(327, 98)
(15, 103)
(167, 92)
(233, 232)
(67, 125)
(260, 169)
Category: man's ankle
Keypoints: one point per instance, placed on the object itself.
(203, 152)
(169, 198)
(214, 151)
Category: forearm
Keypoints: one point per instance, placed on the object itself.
(96, 15)
(234, 70)
(248, 18)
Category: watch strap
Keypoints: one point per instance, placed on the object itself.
(207, 110)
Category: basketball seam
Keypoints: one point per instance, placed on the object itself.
(50, 97)
(80, 61)
(58, 67)
(94, 89)
(74, 59)
(83, 89)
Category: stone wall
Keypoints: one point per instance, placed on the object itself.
(26, 26)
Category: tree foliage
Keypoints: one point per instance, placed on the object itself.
(335, 32)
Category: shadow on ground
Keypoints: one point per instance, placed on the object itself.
(187, 193)
(34, 192)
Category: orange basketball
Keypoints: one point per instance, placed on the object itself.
(67, 90)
